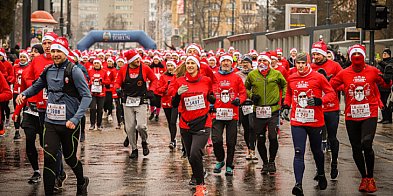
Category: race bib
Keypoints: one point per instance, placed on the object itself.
(224, 114)
(29, 111)
(133, 101)
(96, 88)
(304, 115)
(360, 110)
(194, 102)
(247, 109)
(45, 94)
(56, 111)
(263, 112)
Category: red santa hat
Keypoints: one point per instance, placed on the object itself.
(237, 52)
(120, 59)
(24, 53)
(171, 62)
(220, 51)
(273, 55)
(253, 52)
(50, 36)
(226, 57)
(157, 57)
(319, 47)
(357, 48)
(195, 59)
(131, 55)
(279, 51)
(112, 59)
(265, 56)
(194, 46)
(60, 43)
(97, 60)
(293, 50)
(147, 60)
(3, 53)
(212, 58)
(175, 54)
(231, 48)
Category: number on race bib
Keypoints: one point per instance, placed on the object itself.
(224, 114)
(304, 115)
(360, 110)
(133, 101)
(194, 102)
(96, 88)
(263, 112)
(247, 109)
(56, 111)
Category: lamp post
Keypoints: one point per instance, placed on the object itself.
(267, 15)
(233, 17)
(26, 31)
(61, 19)
(328, 20)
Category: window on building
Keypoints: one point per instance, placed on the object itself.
(229, 20)
(247, 6)
(214, 19)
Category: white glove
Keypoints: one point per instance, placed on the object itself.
(182, 89)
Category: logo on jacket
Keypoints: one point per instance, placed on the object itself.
(225, 96)
(359, 93)
(301, 97)
(359, 79)
(302, 84)
(139, 83)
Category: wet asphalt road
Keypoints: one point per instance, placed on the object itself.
(164, 172)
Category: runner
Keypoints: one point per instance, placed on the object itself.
(108, 101)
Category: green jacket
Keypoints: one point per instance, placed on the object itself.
(267, 87)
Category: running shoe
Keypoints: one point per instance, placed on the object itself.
(35, 178)
(17, 135)
(92, 127)
(248, 155)
(126, 142)
(2, 132)
(134, 154)
(156, 118)
(146, 150)
(192, 181)
(322, 182)
(334, 171)
(218, 167)
(253, 156)
(272, 168)
(100, 128)
(82, 137)
(110, 118)
(265, 169)
(151, 116)
(372, 187)
(200, 190)
(297, 190)
(172, 145)
(82, 189)
(59, 182)
(118, 126)
(363, 187)
(229, 171)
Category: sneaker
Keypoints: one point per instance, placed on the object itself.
(248, 155)
(100, 128)
(126, 142)
(363, 187)
(82, 137)
(2, 132)
(200, 190)
(324, 145)
(59, 182)
(218, 167)
(105, 115)
(110, 118)
(172, 145)
(82, 189)
(229, 171)
(118, 126)
(265, 169)
(371, 188)
(272, 168)
(17, 135)
(209, 142)
(328, 147)
(35, 178)
(192, 181)
(156, 118)
(146, 150)
(322, 182)
(316, 176)
(334, 172)
(253, 156)
(184, 154)
(92, 127)
(297, 190)
(134, 154)
(151, 116)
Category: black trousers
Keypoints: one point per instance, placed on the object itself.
(32, 125)
(387, 111)
(96, 110)
(230, 127)
(194, 143)
(108, 103)
(331, 126)
(249, 133)
(56, 136)
(119, 111)
(5, 110)
(361, 135)
(260, 129)
(171, 115)
(17, 122)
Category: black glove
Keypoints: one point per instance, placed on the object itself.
(149, 94)
(176, 101)
(255, 98)
(211, 98)
(107, 86)
(236, 102)
(247, 102)
(323, 72)
(212, 109)
(314, 101)
(387, 78)
(285, 112)
(119, 92)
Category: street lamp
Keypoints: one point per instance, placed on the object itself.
(233, 17)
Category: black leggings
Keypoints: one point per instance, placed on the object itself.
(5, 110)
(55, 136)
(32, 126)
(195, 143)
(96, 106)
(108, 103)
(119, 111)
(17, 122)
(218, 141)
(171, 115)
(260, 128)
(361, 135)
(331, 126)
(249, 133)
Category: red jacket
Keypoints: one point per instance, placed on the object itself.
(162, 90)
(32, 73)
(18, 72)
(195, 98)
(9, 72)
(134, 72)
(228, 88)
(214, 69)
(331, 68)
(361, 99)
(111, 74)
(98, 77)
(5, 91)
(114, 93)
(283, 62)
(299, 89)
(283, 71)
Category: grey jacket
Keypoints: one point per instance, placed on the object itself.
(75, 109)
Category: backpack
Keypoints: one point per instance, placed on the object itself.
(69, 87)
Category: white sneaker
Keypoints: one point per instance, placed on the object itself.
(105, 115)
(110, 119)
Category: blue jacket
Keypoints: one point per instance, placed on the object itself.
(75, 109)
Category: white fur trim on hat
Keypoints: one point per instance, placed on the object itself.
(96, 60)
(121, 59)
(24, 54)
(48, 37)
(134, 58)
(318, 50)
(2, 54)
(212, 58)
(59, 47)
(361, 51)
(193, 58)
(194, 47)
(226, 57)
(293, 50)
(264, 57)
(110, 59)
(171, 62)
